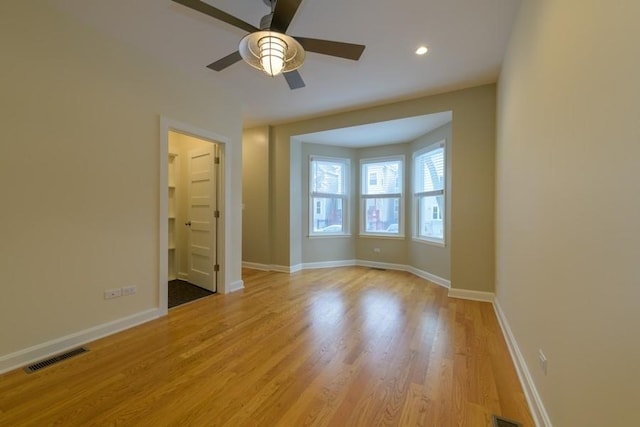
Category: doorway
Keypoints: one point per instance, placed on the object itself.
(224, 151)
(193, 212)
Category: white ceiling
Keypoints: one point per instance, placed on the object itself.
(466, 38)
(381, 133)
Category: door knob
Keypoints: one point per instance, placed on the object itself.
(188, 223)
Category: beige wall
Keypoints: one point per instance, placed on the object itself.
(568, 210)
(80, 173)
(472, 168)
(426, 257)
(256, 239)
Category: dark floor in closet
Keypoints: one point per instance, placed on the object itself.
(181, 292)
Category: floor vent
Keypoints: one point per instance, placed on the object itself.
(503, 422)
(55, 359)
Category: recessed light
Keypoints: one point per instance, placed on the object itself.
(421, 50)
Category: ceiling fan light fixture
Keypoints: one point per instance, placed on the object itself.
(271, 52)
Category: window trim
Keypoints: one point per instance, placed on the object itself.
(345, 197)
(416, 196)
(399, 196)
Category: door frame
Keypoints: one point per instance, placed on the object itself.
(224, 204)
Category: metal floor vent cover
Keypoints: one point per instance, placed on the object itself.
(503, 422)
(55, 359)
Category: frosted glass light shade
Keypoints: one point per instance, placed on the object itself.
(271, 52)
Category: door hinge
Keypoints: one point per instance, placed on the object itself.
(216, 160)
(216, 214)
(216, 267)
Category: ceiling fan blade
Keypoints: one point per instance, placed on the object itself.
(294, 79)
(225, 62)
(328, 47)
(218, 14)
(283, 14)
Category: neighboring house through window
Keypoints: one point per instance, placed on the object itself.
(429, 193)
(329, 195)
(381, 196)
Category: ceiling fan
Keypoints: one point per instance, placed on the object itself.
(269, 48)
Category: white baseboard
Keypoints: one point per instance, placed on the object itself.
(327, 264)
(270, 267)
(256, 266)
(295, 268)
(383, 265)
(234, 286)
(41, 351)
(347, 263)
(285, 268)
(471, 295)
(401, 267)
(183, 276)
(538, 411)
(445, 283)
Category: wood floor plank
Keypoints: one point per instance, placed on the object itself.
(348, 346)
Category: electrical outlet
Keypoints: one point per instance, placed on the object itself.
(376, 250)
(129, 290)
(112, 293)
(542, 361)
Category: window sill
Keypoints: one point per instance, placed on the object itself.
(382, 236)
(430, 242)
(326, 236)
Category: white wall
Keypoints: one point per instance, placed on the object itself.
(568, 205)
(80, 174)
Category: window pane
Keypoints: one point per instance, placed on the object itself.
(327, 215)
(381, 215)
(328, 176)
(431, 212)
(429, 173)
(383, 177)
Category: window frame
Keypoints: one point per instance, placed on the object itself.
(417, 196)
(364, 179)
(316, 194)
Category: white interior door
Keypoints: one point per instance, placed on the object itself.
(201, 219)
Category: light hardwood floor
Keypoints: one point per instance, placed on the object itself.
(336, 347)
